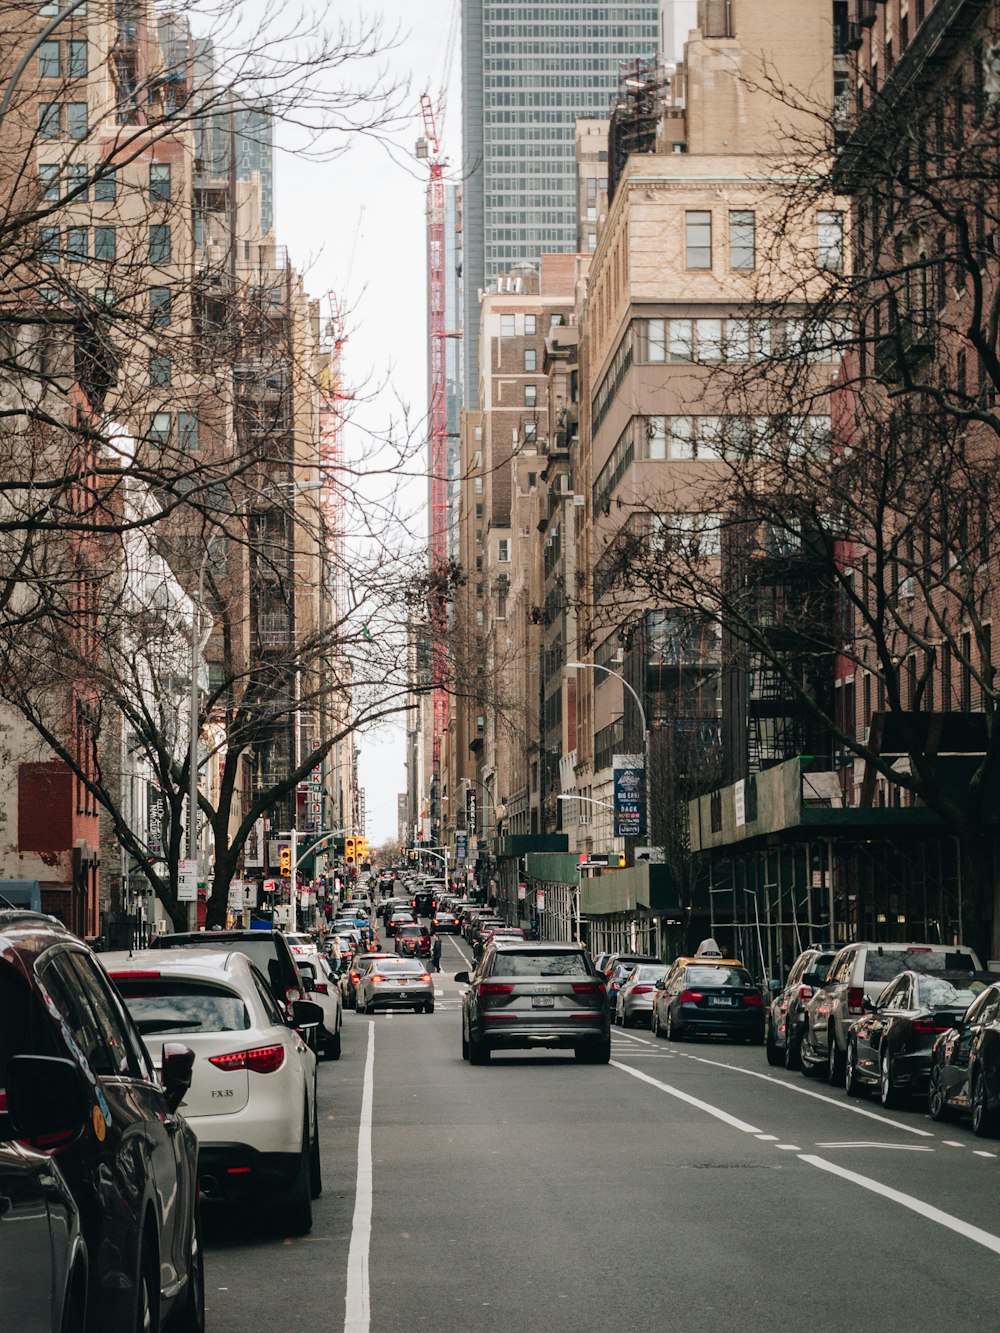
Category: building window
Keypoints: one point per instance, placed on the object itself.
(77, 180)
(159, 370)
(105, 187)
(530, 430)
(159, 428)
(159, 180)
(77, 244)
(105, 243)
(742, 239)
(503, 550)
(698, 240)
(159, 305)
(530, 359)
(530, 395)
(49, 238)
(49, 120)
(188, 431)
(529, 326)
(159, 243)
(76, 120)
(49, 62)
(506, 326)
(77, 61)
(830, 242)
(48, 180)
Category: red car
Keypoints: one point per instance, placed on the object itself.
(413, 942)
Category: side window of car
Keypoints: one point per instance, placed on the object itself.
(126, 1059)
(840, 970)
(892, 995)
(987, 1008)
(62, 986)
(267, 999)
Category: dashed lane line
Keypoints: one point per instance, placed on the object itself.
(715, 1111)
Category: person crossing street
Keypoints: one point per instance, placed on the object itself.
(436, 953)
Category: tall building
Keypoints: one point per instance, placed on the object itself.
(528, 73)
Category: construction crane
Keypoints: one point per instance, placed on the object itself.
(429, 151)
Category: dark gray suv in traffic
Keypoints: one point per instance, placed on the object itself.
(531, 994)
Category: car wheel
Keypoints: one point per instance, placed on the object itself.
(147, 1311)
(190, 1317)
(937, 1099)
(465, 1044)
(775, 1055)
(834, 1060)
(887, 1092)
(295, 1216)
(333, 1046)
(594, 1052)
(479, 1052)
(673, 1032)
(315, 1166)
(852, 1084)
(654, 1023)
(984, 1118)
(793, 1050)
(428, 1008)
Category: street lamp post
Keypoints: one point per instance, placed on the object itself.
(594, 666)
(587, 800)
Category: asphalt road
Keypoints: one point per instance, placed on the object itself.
(686, 1186)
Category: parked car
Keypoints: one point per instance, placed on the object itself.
(634, 1004)
(395, 983)
(964, 1074)
(269, 950)
(413, 941)
(710, 998)
(527, 995)
(77, 1084)
(322, 987)
(889, 1047)
(43, 1259)
(252, 1099)
(617, 968)
(785, 1016)
(858, 970)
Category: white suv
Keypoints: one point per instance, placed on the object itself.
(859, 973)
(252, 1100)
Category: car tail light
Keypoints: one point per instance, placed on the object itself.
(496, 988)
(378, 977)
(925, 1028)
(805, 993)
(641, 990)
(855, 999)
(128, 976)
(435, 921)
(355, 977)
(259, 1060)
(589, 988)
(691, 996)
(426, 976)
(753, 999)
(321, 988)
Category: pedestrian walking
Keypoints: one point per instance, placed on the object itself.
(436, 953)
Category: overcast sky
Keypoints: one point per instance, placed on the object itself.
(317, 213)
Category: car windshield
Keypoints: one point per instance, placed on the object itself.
(936, 991)
(717, 976)
(171, 1004)
(540, 965)
(889, 963)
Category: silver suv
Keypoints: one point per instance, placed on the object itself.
(860, 972)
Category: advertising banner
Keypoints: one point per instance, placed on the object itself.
(461, 846)
(629, 795)
(156, 818)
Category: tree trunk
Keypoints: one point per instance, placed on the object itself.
(977, 867)
(223, 874)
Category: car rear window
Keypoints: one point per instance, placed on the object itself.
(717, 976)
(171, 1004)
(890, 962)
(397, 965)
(540, 965)
(648, 972)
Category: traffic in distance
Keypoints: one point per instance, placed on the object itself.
(199, 1058)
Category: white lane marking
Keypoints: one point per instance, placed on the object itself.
(894, 1147)
(724, 1116)
(956, 1224)
(438, 992)
(978, 1152)
(630, 1036)
(768, 1138)
(808, 1092)
(788, 1147)
(952, 1143)
(357, 1303)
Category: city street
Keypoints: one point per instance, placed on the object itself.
(686, 1186)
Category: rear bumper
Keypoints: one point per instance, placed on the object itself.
(235, 1172)
(523, 1033)
(723, 1024)
(392, 1000)
(912, 1072)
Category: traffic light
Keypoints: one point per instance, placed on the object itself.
(350, 847)
(620, 860)
(361, 852)
(285, 862)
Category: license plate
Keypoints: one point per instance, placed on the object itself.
(542, 1001)
(721, 999)
(400, 983)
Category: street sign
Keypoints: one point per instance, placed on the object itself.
(461, 846)
(629, 795)
(187, 881)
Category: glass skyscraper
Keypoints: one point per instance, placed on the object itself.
(530, 68)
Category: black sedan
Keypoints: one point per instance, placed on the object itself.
(709, 1000)
(965, 1066)
(889, 1048)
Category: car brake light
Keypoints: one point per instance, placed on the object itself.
(590, 988)
(355, 977)
(855, 999)
(924, 1028)
(495, 987)
(321, 988)
(690, 996)
(259, 1060)
(128, 976)
(805, 992)
(378, 977)
(638, 990)
(426, 976)
(435, 921)
(753, 999)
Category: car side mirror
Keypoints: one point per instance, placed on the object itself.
(176, 1067)
(774, 987)
(305, 1014)
(463, 977)
(661, 984)
(869, 1005)
(45, 1095)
